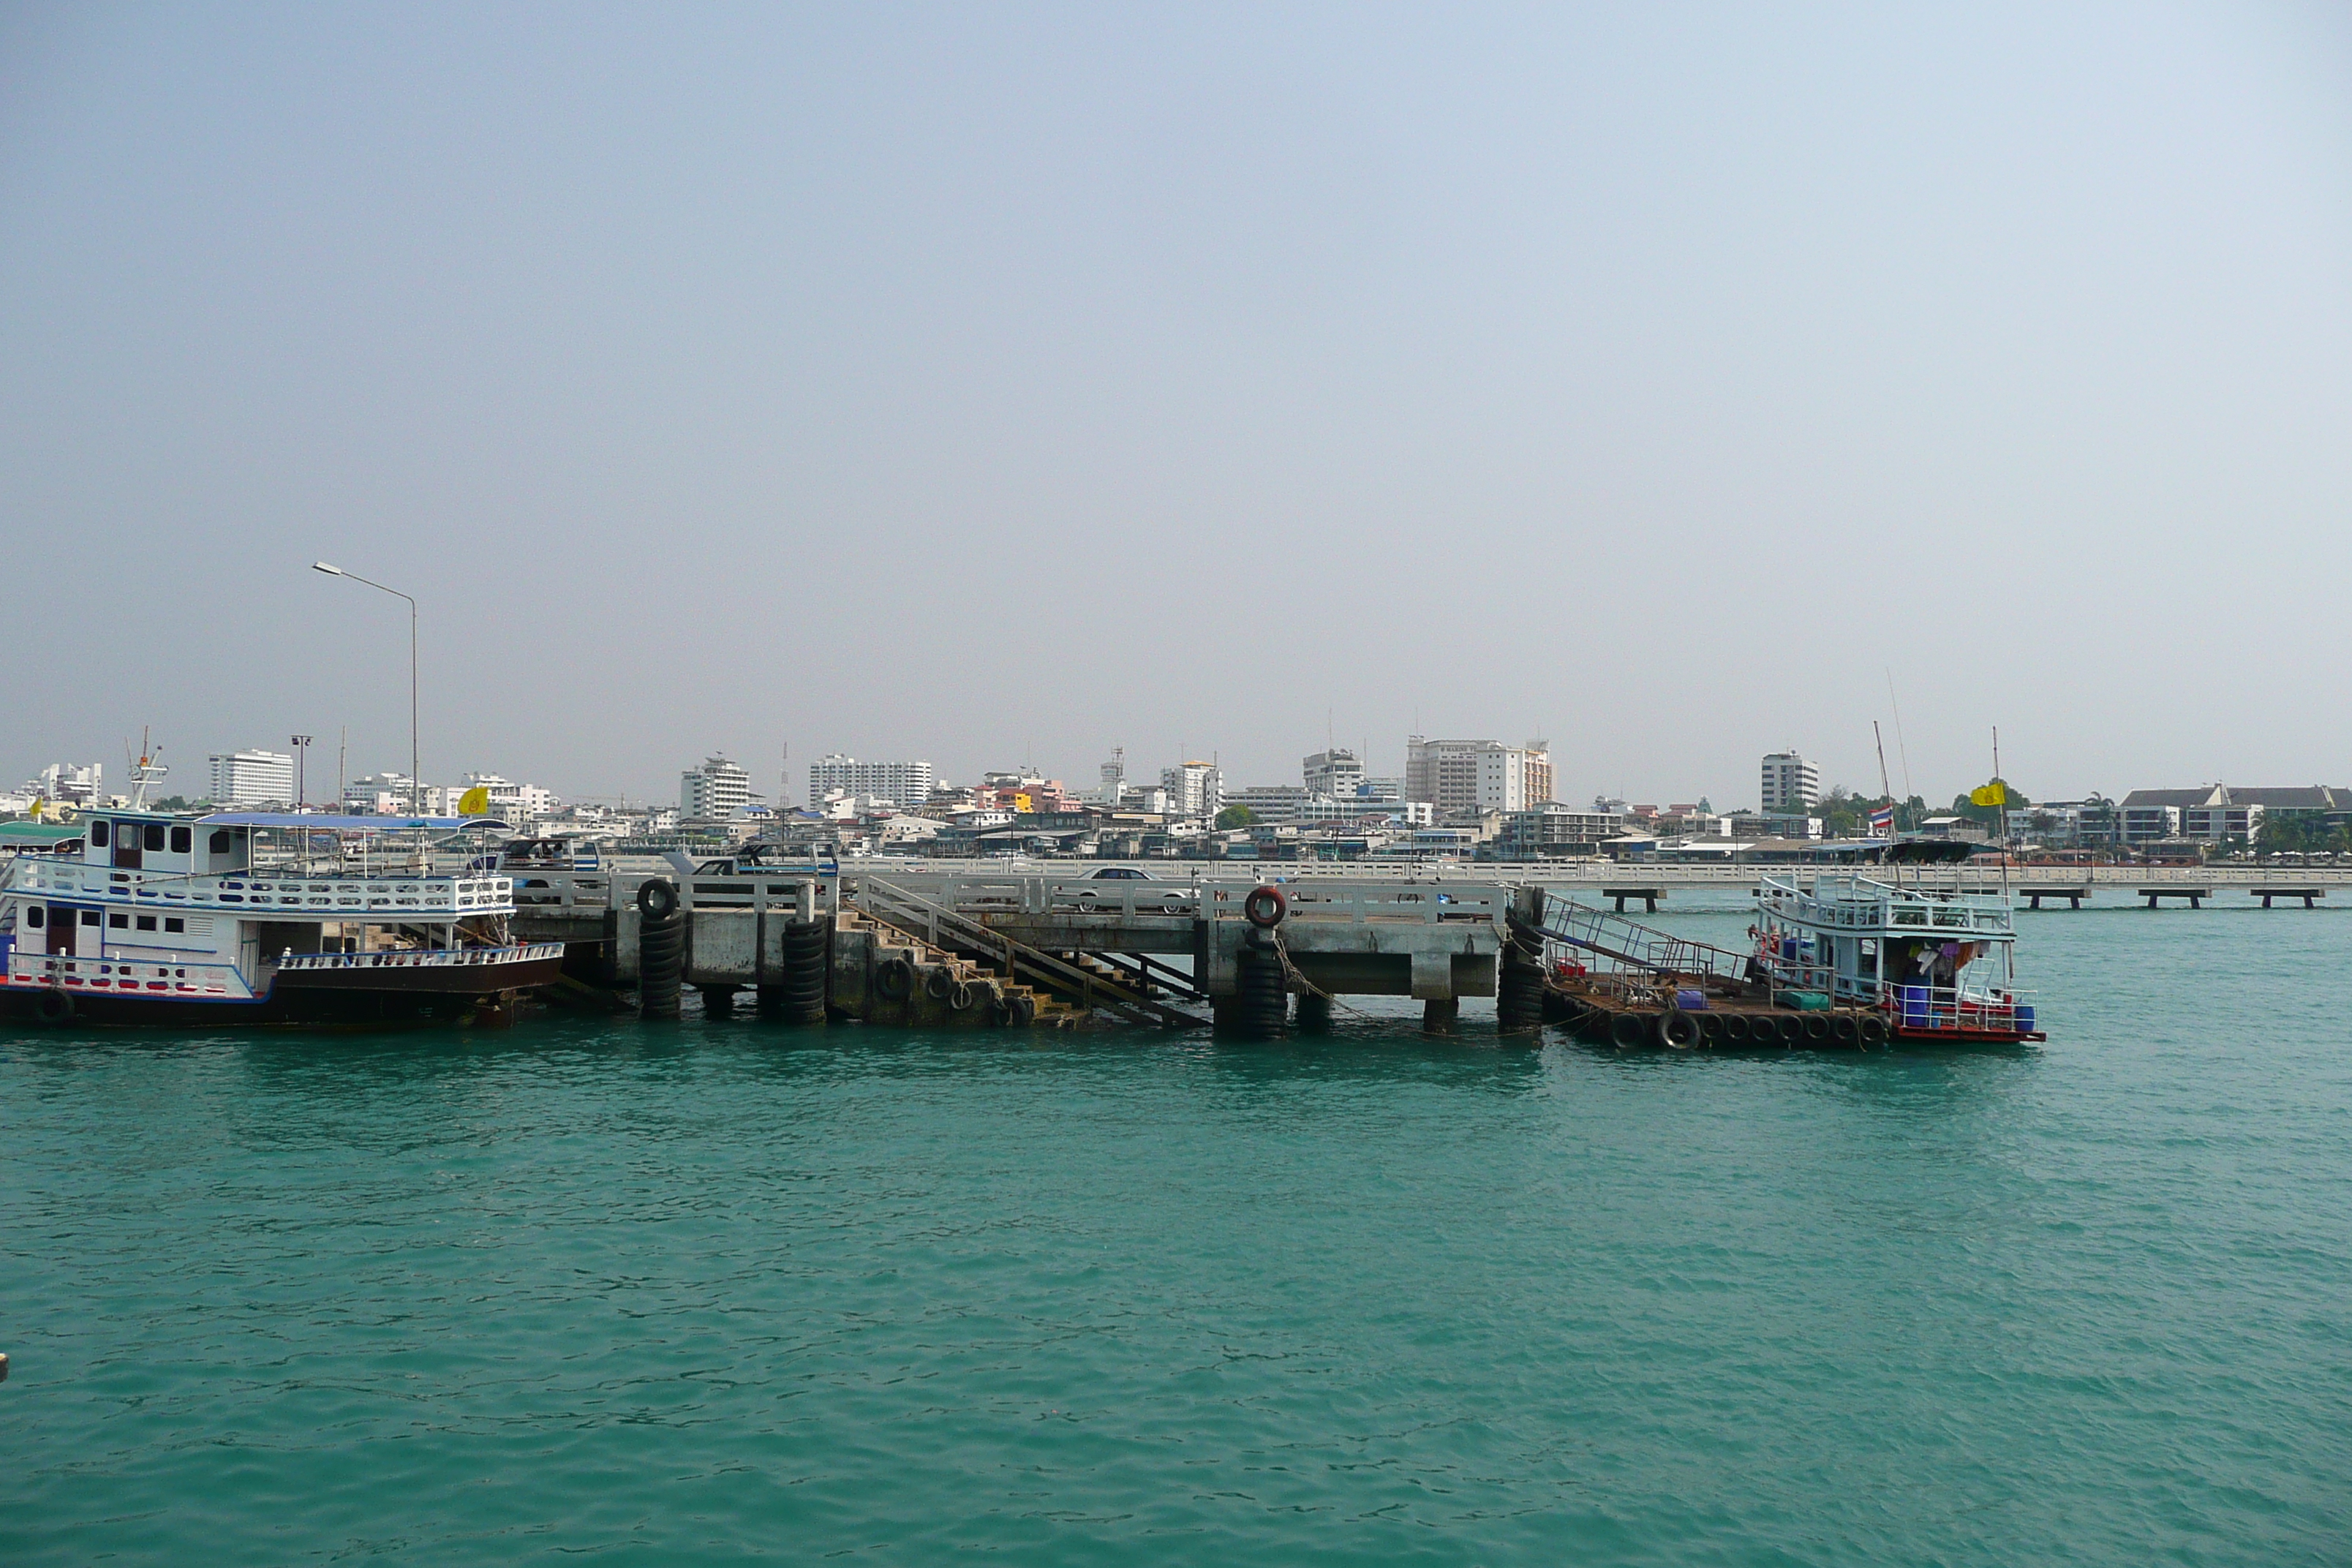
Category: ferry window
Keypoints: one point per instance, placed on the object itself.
(97, 833)
(173, 922)
(119, 923)
(181, 838)
(146, 923)
(218, 842)
(90, 917)
(37, 916)
(154, 836)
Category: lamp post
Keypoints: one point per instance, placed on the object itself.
(301, 744)
(416, 782)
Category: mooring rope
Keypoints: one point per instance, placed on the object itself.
(1282, 951)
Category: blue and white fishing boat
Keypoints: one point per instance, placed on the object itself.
(145, 917)
(1938, 961)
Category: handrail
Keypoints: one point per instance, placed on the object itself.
(921, 917)
(1628, 943)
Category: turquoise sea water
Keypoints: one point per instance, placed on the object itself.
(721, 1292)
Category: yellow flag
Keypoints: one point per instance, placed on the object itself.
(1993, 794)
(475, 802)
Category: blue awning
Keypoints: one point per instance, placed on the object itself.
(324, 822)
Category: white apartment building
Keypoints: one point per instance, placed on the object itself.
(1273, 805)
(67, 784)
(1514, 778)
(1477, 776)
(1790, 785)
(252, 778)
(1333, 774)
(388, 795)
(716, 791)
(901, 783)
(515, 802)
(377, 795)
(1194, 789)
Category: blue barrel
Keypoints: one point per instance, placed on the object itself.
(2024, 1019)
(1915, 1006)
(1689, 1001)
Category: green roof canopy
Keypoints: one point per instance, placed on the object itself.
(42, 833)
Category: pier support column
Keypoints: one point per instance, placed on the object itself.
(1314, 1013)
(718, 1001)
(1439, 1014)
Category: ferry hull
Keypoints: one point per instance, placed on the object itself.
(328, 997)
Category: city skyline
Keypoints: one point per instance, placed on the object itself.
(1317, 373)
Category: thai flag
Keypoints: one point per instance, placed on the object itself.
(1882, 822)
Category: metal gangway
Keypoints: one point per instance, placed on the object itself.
(1628, 944)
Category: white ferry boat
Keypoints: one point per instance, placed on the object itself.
(146, 916)
(1938, 962)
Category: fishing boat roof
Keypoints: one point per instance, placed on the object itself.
(39, 832)
(339, 824)
(1925, 852)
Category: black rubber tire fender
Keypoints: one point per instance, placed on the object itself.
(1817, 1028)
(1266, 906)
(1875, 1032)
(1677, 1030)
(964, 997)
(1788, 1029)
(1710, 1029)
(894, 979)
(938, 983)
(1019, 1012)
(657, 899)
(1737, 1030)
(54, 1008)
(1846, 1030)
(1628, 1030)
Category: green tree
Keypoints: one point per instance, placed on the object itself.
(1236, 816)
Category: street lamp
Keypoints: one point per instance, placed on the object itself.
(416, 782)
(301, 744)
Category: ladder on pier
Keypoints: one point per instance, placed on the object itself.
(1089, 986)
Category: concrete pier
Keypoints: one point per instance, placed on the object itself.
(1038, 947)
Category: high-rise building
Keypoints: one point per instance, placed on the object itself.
(253, 778)
(715, 791)
(900, 784)
(1194, 789)
(67, 784)
(1114, 776)
(1333, 774)
(1790, 783)
(1477, 776)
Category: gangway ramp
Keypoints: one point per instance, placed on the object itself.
(1628, 943)
(944, 928)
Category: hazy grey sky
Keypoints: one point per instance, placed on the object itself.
(994, 385)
